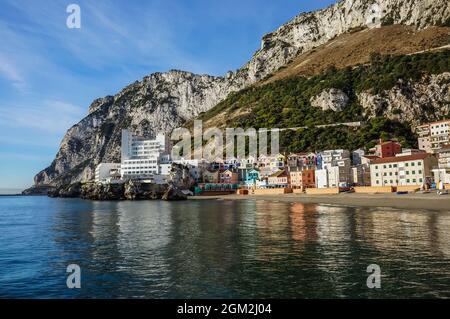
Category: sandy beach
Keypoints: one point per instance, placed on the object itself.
(430, 201)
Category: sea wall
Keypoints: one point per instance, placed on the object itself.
(374, 190)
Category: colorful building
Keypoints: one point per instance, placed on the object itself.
(252, 178)
(228, 177)
(388, 149)
(303, 178)
(279, 179)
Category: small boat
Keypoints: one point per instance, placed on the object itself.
(402, 193)
(444, 192)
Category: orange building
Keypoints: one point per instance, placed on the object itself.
(303, 178)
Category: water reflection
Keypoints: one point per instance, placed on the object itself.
(225, 249)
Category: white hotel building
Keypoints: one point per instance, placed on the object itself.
(144, 158)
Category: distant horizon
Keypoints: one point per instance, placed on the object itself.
(10, 191)
(49, 74)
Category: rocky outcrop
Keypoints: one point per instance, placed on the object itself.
(37, 191)
(131, 190)
(413, 102)
(330, 99)
(66, 191)
(174, 194)
(180, 177)
(162, 101)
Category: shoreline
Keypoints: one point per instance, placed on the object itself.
(432, 201)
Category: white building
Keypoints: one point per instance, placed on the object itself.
(144, 158)
(321, 176)
(410, 170)
(442, 172)
(433, 136)
(329, 157)
(107, 173)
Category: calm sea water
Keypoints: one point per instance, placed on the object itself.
(219, 249)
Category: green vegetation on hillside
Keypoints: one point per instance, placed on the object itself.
(286, 103)
(313, 139)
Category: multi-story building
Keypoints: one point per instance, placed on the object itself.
(228, 177)
(248, 162)
(340, 174)
(361, 175)
(107, 173)
(301, 161)
(141, 158)
(279, 179)
(433, 136)
(424, 139)
(357, 156)
(321, 176)
(303, 178)
(409, 170)
(328, 158)
(387, 149)
(252, 177)
(442, 171)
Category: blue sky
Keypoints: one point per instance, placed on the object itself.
(49, 74)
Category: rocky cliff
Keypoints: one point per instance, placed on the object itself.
(163, 101)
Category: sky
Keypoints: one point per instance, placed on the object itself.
(50, 74)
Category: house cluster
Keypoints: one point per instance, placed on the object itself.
(387, 164)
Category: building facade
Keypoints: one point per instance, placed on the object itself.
(433, 136)
(303, 178)
(141, 158)
(279, 180)
(107, 173)
(409, 170)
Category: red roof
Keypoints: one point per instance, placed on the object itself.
(395, 159)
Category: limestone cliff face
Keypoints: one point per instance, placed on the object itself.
(413, 102)
(163, 101)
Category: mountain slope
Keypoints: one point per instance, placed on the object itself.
(389, 95)
(163, 101)
(356, 46)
